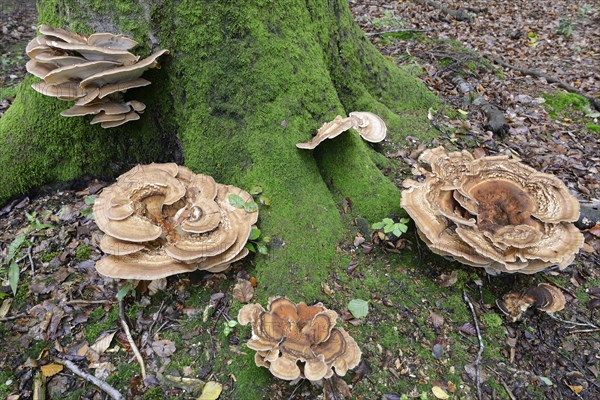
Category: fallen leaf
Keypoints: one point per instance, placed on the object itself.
(468, 328)
(436, 319)
(243, 291)
(211, 391)
(163, 347)
(447, 280)
(359, 308)
(576, 388)
(326, 289)
(5, 308)
(439, 393)
(103, 343)
(49, 370)
(157, 285)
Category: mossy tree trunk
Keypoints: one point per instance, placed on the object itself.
(243, 84)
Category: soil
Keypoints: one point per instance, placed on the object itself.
(63, 305)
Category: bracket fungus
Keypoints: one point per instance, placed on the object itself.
(290, 333)
(493, 212)
(163, 219)
(94, 71)
(369, 126)
(544, 297)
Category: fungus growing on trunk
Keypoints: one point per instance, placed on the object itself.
(162, 219)
(94, 70)
(369, 126)
(493, 212)
(299, 341)
(544, 297)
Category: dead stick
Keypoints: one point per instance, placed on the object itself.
(84, 302)
(479, 354)
(16, 316)
(590, 325)
(111, 391)
(569, 88)
(585, 330)
(396, 31)
(136, 351)
(31, 261)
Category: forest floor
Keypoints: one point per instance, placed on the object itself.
(419, 332)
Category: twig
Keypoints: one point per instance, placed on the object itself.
(84, 302)
(16, 316)
(510, 393)
(586, 330)
(136, 351)
(31, 261)
(588, 324)
(296, 388)
(569, 88)
(396, 31)
(479, 354)
(111, 391)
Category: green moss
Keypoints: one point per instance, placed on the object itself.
(47, 257)
(560, 103)
(593, 128)
(8, 383)
(491, 320)
(99, 322)
(82, 252)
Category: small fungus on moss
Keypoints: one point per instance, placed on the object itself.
(94, 71)
(162, 219)
(370, 127)
(493, 212)
(288, 334)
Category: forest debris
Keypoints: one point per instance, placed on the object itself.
(243, 291)
(459, 15)
(288, 333)
(134, 347)
(493, 212)
(162, 219)
(545, 297)
(112, 392)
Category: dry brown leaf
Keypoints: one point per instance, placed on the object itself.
(436, 319)
(103, 343)
(164, 347)
(49, 370)
(447, 280)
(243, 291)
(326, 289)
(211, 391)
(576, 388)
(439, 393)
(5, 308)
(157, 285)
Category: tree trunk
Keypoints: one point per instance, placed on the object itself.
(242, 85)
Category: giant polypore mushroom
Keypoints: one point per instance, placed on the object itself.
(163, 219)
(544, 297)
(493, 212)
(369, 126)
(299, 341)
(94, 70)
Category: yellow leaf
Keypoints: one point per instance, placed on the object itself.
(576, 388)
(439, 393)
(51, 370)
(211, 391)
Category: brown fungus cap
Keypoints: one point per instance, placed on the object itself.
(88, 69)
(296, 340)
(370, 127)
(162, 219)
(493, 212)
(544, 297)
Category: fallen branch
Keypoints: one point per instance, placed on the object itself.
(396, 31)
(134, 348)
(105, 387)
(16, 316)
(586, 324)
(585, 330)
(87, 302)
(480, 353)
(459, 15)
(550, 79)
(31, 261)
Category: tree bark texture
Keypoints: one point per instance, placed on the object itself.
(243, 83)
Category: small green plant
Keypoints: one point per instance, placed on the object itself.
(389, 226)
(125, 290)
(18, 244)
(88, 212)
(82, 252)
(389, 20)
(565, 27)
(586, 9)
(256, 244)
(229, 326)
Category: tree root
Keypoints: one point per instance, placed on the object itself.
(569, 88)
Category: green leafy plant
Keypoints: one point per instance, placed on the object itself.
(125, 290)
(88, 212)
(390, 226)
(565, 27)
(18, 244)
(256, 243)
(229, 326)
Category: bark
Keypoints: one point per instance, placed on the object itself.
(242, 85)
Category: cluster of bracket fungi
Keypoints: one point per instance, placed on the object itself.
(163, 219)
(544, 297)
(94, 71)
(299, 341)
(493, 212)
